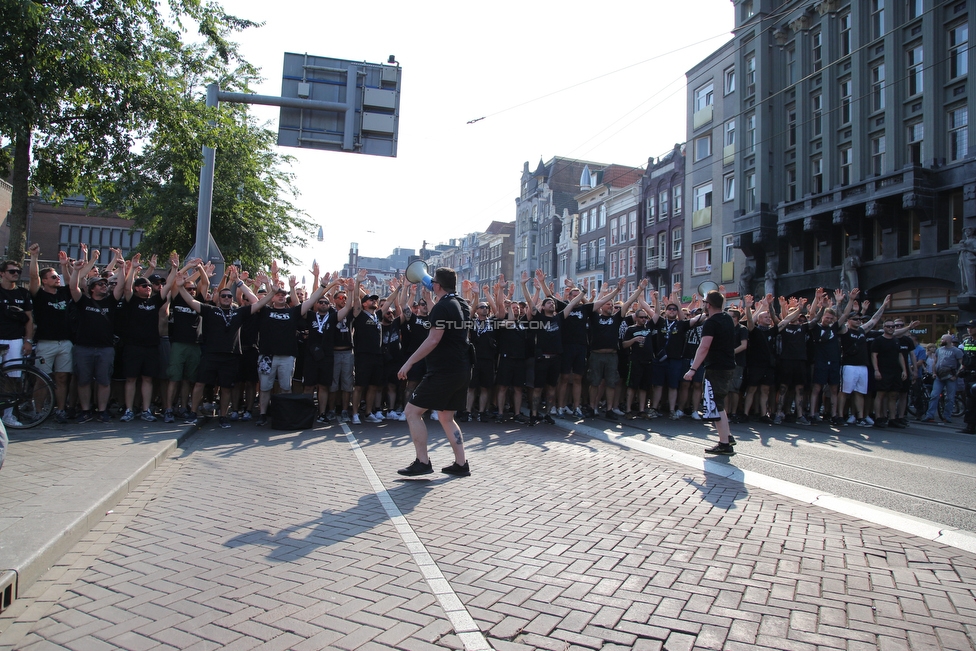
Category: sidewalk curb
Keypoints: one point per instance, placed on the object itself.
(39, 562)
(938, 533)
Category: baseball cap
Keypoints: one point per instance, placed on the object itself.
(96, 279)
(141, 282)
(970, 324)
(156, 279)
(371, 297)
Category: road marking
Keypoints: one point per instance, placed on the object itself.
(462, 621)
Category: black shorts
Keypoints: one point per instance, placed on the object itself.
(640, 375)
(369, 370)
(248, 371)
(319, 372)
(889, 383)
(511, 372)
(483, 376)
(721, 381)
(574, 359)
(442, 391)
(140, 361)
(417, 371)
(761, 376)
(792, 372)
(547, 371)
(219, 369)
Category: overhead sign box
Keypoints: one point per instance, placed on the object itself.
(363, 100)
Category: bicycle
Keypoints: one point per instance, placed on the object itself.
(920, 395)
(27, 391)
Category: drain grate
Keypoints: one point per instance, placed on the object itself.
(8, 581)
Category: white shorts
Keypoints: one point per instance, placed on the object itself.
(283, 368)
(14, 351)
(854, 380)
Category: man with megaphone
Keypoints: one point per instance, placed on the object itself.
(444, 387)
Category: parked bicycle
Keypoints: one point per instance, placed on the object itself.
(27, 391)
(920, 395)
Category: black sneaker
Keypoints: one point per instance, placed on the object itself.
(520, 418)
(105, 417)
(322, 419)
(731, 440)
(548, 418)
(609, 415)
(453, 469)
(223, 422)
(721, 448)
(417, 468)
(262, 420)
(896, 423)
(85, 416)
(190, 418)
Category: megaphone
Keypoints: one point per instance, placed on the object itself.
(706, 286)
(417, 273)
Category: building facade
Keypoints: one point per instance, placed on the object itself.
(662, 220)
(857, 165)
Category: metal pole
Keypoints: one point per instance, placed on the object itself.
(201, 248)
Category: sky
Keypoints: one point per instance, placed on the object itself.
(599, 82)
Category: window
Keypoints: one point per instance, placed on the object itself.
(612, 272)
(845, 33)
(662, 200)
(791, 75)
(676, 194)
(730, 133)
(878, 154)
(751, 74)
(701, 257)
(704, 96)
(601, 250)
(877, 18)
(748, 10)
(633, 225)
(72, 236)
(915, 9)
(958, 136)
(791, 125)
(728, 187)
(703, 147)
(651, 209)
(916, 134)
(846, 164)
(816, 102)
(914, 72)
(632, 266)
(958, 50)
(613, 232)
(622, 229)
(816, 41)
(675, 243)
(846, 93)
(728, 248)
(703, 197)
(650, 253)
(791, 183)
(662, 245)
(816, 171)
(729, 80)
(592, 219)
(603, 215)
(750, 190)
(751, 132)
(582, 256)
(878, 87)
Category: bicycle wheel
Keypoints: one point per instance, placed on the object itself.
(29, 395)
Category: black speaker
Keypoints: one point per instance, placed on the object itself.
(292, 411)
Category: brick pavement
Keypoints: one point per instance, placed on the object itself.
(258, 539)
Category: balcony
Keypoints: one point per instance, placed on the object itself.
(703, 116)
(728, 154)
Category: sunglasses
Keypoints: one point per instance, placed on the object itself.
(226, 296)
(13, 271)
(322, 302)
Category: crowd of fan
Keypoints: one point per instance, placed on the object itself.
(193, 348)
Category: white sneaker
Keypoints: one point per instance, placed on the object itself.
(402, 417)
(695, 416)
(11, 421)
(147, 416)
(378, 414)
(355, 420)
(554, 412)
(617, 411)
(392, 415)
(851, 420)
(578, 413)
(869, 421)
(679, 414)
(433, 415)
(372, 418)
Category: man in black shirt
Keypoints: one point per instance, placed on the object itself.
(575, 348)
(321, 322)
(222, 323)
(890, 372)
(760, 357)
(605, 341)
(184, 334)
(717, 353)
(94, 348)
(16, 323)
(672, 326)
(368, 345)
(855, 348)
(278, 340)
(52, 331)
(141, 351)
(445, 386)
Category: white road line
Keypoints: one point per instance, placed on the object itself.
(462, 621)
(920, 527)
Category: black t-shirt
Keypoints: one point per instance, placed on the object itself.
(51, 315)
(183, 322)
(367, 331)
(888, 351)
(638, 353)
(793, 342)
(827, 340)
(278, 330)
(343, 333)
(605, 331)
(741, 334)
(416, 328)
(391, 340)
(721, 352)
(512, 339)
(96, 321)
(671, 336)
(484, 338)
(693, 340)
(854, 348)
(222, 328)
(13, 303)
(574, 326)
(142, 320)
(321, 330)
(761, 350)
(548, 334)
(451, 354)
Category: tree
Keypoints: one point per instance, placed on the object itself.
(82, 83)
